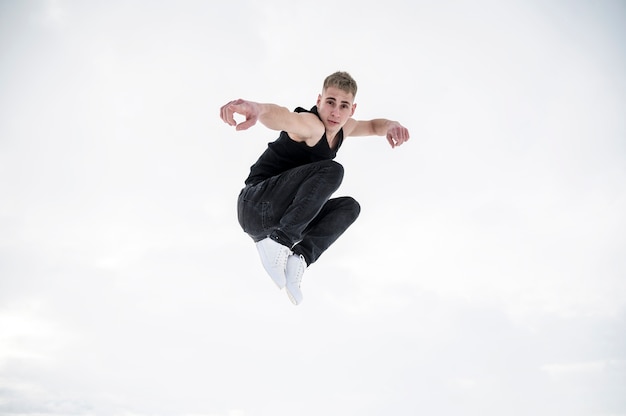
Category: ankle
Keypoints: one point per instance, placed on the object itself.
(281, 239)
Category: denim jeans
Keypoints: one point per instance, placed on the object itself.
(295, 209)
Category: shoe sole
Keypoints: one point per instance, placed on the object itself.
(291, 298)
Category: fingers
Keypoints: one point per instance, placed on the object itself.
(246, 124)
(228, 110)
(397, 136)
(245, 108)
(226, 114)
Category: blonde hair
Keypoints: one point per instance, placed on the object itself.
(341, 80)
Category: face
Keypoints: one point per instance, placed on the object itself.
(335, 107)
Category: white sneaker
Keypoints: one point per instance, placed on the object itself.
(274, 258)
(295, 269)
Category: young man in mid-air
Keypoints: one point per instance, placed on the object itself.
(285, 205)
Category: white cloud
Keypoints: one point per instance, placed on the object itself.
(55, 14)
(561, 370)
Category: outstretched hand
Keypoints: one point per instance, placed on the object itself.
(397, 134)
(248, 109)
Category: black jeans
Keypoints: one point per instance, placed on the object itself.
(295, 209)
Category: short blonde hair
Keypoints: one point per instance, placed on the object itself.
(341, 80)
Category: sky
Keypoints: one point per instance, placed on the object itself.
(485, 276)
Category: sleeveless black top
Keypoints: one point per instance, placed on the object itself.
(284, 154)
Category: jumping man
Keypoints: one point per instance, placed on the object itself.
(286, 205)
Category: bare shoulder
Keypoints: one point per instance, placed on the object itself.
(307, 128)
(349, 127)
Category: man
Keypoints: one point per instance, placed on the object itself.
(285, 205)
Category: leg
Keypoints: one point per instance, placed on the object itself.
(333, 219)
(283, 206)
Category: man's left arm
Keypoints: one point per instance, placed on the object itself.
(395, 132)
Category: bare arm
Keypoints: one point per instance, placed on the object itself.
(396, 133)
(271, 116)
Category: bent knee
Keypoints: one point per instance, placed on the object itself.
(356, 207)
(350, 205)
(335, 168)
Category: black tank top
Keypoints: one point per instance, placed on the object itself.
(284, 154)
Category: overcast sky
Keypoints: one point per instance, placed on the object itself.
(485, 276)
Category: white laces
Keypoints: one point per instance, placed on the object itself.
(300, 270)
(281, 257)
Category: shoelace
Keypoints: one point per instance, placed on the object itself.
(281, 257)
(300, 271)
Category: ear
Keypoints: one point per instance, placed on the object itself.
(319, 100)
(353, 109)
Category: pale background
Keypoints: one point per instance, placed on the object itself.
(485, 276)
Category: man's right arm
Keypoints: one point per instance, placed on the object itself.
(272, 116)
